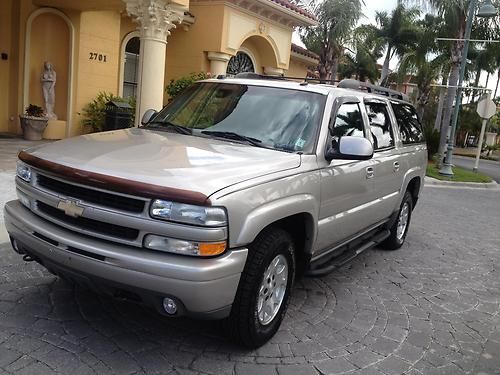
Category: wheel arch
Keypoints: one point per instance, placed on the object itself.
(295, 214)
(413, 187)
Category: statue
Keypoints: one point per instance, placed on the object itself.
(48, 87)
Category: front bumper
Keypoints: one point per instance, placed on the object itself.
(203, 287)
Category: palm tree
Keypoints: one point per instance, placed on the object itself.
(419, 63)
(361, 65)
(336, 21)
(397, 33)
(454, 13)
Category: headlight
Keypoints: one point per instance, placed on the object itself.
(188, 214)
(23, 171)
(172, 245)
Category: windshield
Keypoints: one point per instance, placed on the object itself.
(277, 118)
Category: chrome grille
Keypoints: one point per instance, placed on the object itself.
(95, 226)
(90, 195)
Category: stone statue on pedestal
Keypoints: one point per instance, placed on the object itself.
(48, 80)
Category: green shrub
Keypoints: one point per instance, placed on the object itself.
(175, 87)
(94, 113)
(432, 139)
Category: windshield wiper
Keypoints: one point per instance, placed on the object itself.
(235, 136)
(166, 124)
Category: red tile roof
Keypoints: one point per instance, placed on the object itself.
(304, 52)
(289, 5)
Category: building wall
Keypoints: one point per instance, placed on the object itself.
(187, 47)
(6, 24)
(100, 34)
(297, 68)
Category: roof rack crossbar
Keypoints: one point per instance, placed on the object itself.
(250, 75)
(354, 84)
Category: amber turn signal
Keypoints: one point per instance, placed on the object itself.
(211, 249)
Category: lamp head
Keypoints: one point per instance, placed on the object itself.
(487, 10)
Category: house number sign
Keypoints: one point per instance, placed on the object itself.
(98, 57)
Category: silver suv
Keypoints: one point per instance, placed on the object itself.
(215, 205)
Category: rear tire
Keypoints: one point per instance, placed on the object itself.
(400, 227)
(264, 289)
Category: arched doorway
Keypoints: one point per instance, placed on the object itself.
(130, 69)
(241, 63)
(50, 37)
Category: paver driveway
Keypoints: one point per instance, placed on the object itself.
(432, 307)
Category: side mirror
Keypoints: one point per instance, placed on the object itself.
(351, 148)
(147, 116)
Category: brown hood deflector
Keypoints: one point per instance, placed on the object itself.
(116, 184)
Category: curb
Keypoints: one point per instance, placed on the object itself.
(429, 181)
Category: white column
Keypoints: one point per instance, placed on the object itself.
(155, 18)
(218, 63)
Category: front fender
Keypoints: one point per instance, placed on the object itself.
(273, 211)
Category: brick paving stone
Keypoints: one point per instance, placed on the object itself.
(252, 369)
(7, 356)
(335, 366)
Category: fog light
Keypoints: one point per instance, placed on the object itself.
(169, 306)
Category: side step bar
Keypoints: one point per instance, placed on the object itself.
(347, 255)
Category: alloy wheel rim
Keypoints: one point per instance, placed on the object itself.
(403, 221)
(272, 289)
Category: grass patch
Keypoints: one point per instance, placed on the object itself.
(460, 175)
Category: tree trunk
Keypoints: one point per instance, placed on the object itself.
(498, 83)
(325, 62)
(385, 68)
(442, 98)
(424, 92)
(476, 84)
(487, 79)
(457, 50)
(335, 69)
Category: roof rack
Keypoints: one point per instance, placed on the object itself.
(354, 84)
(351, 84)
(251, 75)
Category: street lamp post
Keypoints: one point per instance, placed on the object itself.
(486, 10)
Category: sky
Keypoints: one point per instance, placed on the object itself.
(387, 5)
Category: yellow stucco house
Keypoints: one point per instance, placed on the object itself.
(134, 47)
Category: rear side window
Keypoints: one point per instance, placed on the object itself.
(348, 122)
(380, 125)
(409, 125)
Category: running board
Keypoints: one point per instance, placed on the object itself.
(347, 255)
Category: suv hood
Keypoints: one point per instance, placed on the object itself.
(203, 165)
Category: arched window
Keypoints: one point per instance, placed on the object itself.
(241, 63)
(131, 68)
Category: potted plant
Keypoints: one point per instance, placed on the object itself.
(33, 123)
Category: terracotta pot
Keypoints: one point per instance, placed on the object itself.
(33, 127)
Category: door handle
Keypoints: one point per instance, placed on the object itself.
(369, 172)
(396, 166)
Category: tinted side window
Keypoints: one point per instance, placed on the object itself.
(380, 125)
(348, 122)
(409, 125)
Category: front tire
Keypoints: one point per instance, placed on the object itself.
(264, 290)
(400, 227)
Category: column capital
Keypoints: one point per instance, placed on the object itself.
(218, 56)
(155, 17)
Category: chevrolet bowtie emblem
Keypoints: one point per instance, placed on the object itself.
(70, 208)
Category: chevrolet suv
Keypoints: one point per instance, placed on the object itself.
(214, 206)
